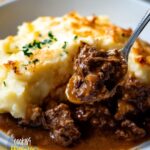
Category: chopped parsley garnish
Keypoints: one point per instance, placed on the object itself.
(65, 45)
(75, 37)
(27, 48)
(46, 41)
(4, 83)
(26, 51)
(35, 61)
(51, 36)
(38, 44)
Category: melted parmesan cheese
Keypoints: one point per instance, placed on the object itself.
(26, 80)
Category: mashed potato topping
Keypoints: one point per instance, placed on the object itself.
(39, 58)
(139, 61)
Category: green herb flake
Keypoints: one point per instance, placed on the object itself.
(27, 52)
(36, 44)
(4, 83)
(75, 37)
(51, 36)
(28, 47)
(46, 41)
(35, 61)
(65, 45)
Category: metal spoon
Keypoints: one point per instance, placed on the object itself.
(125, 51)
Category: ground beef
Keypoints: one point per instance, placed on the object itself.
(106, 98)
(146, 123)
(130, 131)
(97, 115)
(96, 74)
(57, 121)
(84, 112)
(102, 75)
(62, 128)
(135, 98)
(100, 117)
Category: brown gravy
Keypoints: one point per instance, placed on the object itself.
(41, 138)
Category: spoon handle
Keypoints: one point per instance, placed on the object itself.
(135, 34)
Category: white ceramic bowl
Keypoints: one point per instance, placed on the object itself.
(125, 13)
